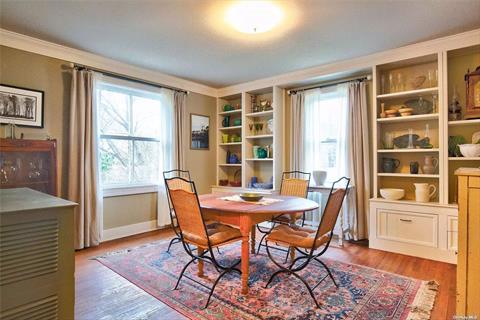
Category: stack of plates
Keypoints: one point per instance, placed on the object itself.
(391, 113)
(405, 112)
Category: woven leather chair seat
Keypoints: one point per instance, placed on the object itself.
(218, 233)
(287, 218)
(296, 237)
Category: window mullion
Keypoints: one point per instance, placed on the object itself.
(130, 132)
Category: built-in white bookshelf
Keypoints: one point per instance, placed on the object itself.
(261, 116)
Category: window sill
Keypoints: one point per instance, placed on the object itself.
(128, 190)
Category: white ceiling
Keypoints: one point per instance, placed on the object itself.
(189, 39)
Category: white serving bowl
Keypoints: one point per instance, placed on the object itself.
(470, 150)
(392, 194)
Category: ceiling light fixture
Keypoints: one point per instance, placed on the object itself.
(254, 16)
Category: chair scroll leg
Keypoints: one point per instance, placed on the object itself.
(183, 271)
(328, 271)
(174, 240)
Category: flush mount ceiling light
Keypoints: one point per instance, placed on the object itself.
(254, 16)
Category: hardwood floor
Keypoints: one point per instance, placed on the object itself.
(103, 294)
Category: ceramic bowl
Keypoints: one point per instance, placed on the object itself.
(392, 194)
(251, 196)
(405, 114)
(470, 150)
(387, 112)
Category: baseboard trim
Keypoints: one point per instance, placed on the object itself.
(129, 230)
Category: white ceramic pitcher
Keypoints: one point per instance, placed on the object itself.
(424, 192)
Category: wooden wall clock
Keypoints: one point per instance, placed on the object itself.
(472, 80)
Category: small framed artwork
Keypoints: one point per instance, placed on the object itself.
(21, 106)
(199, 135)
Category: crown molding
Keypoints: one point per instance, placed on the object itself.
(461, 40)
(30, 44)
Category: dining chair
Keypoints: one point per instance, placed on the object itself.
(194, 231)
(310, 243)
(295, 184)
(172, 174)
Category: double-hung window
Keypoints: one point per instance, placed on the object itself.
(325, 131)
(135, 133)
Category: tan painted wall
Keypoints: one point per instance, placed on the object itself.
(29, 70)
(33, 71)
(202, 163)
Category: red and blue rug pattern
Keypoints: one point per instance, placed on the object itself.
(363, 293)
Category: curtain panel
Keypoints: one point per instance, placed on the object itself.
(297, 112)
(357, 222)
(83, 168)
(169, 145)
(181, 131)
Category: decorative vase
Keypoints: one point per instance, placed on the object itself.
(389, 165)
(424, 192)
(430, 165)
(414, 167)
(319, 177)
(255, 151)
(237, 122)
(224, 138)
(226, 122)
(262, 153)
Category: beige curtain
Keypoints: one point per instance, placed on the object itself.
(297, 111)
(358, 140)
(181, 131)
(83, 177)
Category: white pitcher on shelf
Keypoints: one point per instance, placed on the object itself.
(424, 192)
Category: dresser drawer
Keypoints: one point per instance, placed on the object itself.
(474, 182)
(409, 227)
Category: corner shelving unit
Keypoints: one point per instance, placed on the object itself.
(394, 93)
(406, 226)
(265, 169)
(456, 64)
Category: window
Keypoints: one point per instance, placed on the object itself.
(325, 131)
(135, 133)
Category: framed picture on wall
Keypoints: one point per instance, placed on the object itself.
(21, 106)
(199, 135)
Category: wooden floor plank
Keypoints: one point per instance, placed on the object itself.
(103, 294)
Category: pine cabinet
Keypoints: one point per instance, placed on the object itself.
(468, 266)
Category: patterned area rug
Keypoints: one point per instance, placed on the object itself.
(364, 293)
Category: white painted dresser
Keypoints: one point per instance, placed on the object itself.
(36, 256)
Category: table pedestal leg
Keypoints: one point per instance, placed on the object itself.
(245, 229)
(293, 220)
(252, 239)
(200, 262)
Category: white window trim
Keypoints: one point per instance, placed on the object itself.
(125, 190)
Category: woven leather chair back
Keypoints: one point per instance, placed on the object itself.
(330, 214)
(187, 210)
(178, 184)
(294, 187)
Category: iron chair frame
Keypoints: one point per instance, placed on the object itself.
(296, 173)
(179, 173)
(309, 254)
(223, 270)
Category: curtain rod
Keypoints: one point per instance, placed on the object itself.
(330, 84)
(123, 77)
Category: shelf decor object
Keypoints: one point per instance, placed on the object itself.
(473, 94)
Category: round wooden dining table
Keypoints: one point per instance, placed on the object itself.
(246, 216)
